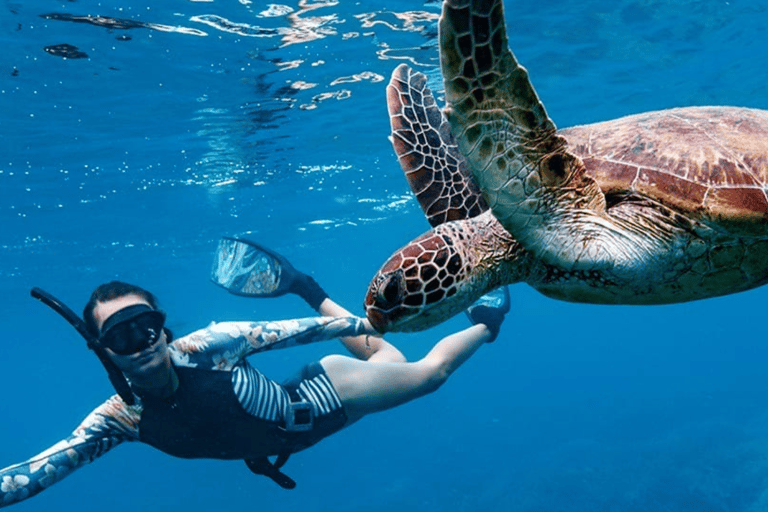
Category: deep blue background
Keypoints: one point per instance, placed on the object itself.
(131, 163)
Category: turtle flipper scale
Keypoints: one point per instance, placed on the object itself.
(421, 136)
(511, 146)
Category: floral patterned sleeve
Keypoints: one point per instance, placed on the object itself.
(222, 345)
(107, 426)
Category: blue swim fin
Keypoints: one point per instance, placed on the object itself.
(490, 310)
(246, 268)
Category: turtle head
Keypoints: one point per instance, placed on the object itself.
(420, 286)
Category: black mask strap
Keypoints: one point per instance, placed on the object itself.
(116, 377)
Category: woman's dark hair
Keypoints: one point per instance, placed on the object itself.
(110, 291)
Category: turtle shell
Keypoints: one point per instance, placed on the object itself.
(709, 163)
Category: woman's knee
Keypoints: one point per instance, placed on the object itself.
(435, 374)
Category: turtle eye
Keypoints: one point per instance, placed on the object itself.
(391, 289)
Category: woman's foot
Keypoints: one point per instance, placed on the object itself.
(490, 310)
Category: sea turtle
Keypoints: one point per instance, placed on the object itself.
(654, 208)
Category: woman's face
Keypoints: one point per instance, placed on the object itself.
(148, 368)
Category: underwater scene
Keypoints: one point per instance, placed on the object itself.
(134, 135)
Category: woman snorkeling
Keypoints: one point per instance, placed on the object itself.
(198, 397)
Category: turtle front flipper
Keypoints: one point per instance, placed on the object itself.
(526, 174)
(421, 136)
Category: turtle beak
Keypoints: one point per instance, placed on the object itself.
(384, 299)
(378, 319)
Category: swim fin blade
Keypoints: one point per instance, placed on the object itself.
(246, 268)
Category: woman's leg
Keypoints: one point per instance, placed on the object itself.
(369, 386)
(367, 348)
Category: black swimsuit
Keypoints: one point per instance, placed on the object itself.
(223, 408)
(205, 418)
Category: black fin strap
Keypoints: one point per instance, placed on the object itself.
(262, 466)
(308, 289)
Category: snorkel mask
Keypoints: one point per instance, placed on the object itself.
(116, 377)
(132, 329)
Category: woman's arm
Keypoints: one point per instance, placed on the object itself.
(222, 345)
(107, 426)
(246, 268)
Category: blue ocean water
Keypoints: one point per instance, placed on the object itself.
(189, 120)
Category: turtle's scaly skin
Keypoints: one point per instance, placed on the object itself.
(424, 144)
(468, 250)
(444, 268)
(655, 208)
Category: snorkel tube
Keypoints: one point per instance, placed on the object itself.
(116, 377)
